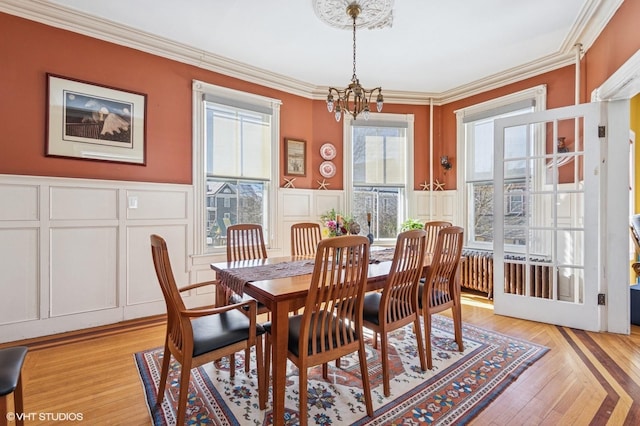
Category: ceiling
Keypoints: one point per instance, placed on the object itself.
(434, 48)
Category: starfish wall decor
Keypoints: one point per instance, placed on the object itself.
(437, 186)
(323, 184)
(289, 183)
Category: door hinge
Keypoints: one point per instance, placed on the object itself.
(602, 131)
(601, 299)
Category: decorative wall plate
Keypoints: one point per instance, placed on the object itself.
(328, 151)
(327, 169)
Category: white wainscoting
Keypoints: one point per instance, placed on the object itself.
(436, 205)
(75, 253)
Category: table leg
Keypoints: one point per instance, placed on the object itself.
(279, 337)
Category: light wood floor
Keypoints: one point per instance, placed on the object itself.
(585, 378)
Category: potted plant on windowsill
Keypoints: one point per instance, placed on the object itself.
(411, 224)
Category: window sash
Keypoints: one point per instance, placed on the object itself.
(238, 142)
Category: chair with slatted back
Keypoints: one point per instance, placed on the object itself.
(432, 228)
(331, 324)
(197, 336)
(245, 241)
(305, 237)
(397, 304)
(441, 288)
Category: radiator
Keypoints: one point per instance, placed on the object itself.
(476, 273)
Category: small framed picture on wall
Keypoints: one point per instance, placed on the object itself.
(295, 157)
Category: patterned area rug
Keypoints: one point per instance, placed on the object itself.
(456, 390)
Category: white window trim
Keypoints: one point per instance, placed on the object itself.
(199, 88)
(408, 209)
(539, 93)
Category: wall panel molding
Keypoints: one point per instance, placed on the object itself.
(75, 252)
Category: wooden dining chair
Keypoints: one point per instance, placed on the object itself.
(331, 324)
(11, 361)
(305, 237)
(200, 335)
(245, 241)
(432, 228)
(441, 288)
(397, 304)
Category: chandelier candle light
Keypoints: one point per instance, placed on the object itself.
(354, 99)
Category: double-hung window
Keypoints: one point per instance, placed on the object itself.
(378, 169)
(476, 140)
(238, 150)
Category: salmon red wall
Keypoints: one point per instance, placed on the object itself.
(29, 50)
(618, 41)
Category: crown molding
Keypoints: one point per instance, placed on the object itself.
(623, 84)
(594, 16)
(56, 16)
(590, 22)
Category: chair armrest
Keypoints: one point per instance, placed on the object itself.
(199, 312)
(198, 285)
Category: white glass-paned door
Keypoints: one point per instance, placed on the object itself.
(552, 213)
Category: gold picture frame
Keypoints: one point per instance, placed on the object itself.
(94, 122)
(295, 157)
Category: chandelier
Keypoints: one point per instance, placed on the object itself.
(354, 99)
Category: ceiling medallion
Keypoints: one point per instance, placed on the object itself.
(374, 13)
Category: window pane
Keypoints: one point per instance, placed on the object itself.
(383, 204)
(238, 142)
(379, 155)
(230, 202)
(482, 212)
(481, 150)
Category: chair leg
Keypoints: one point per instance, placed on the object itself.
(185, 375)
(304, 395)
(457, 325)
(385, 364)
(164, 372)
(375, 340)
(427, 338)
(232, 365)
(17, 402)
(420, 340)
(247, 359)
(260, 367)
(267, 358)
(364, 372)
(3, 410)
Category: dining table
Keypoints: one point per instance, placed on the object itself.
(282, 284)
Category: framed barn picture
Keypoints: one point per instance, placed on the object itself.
(94, 122)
